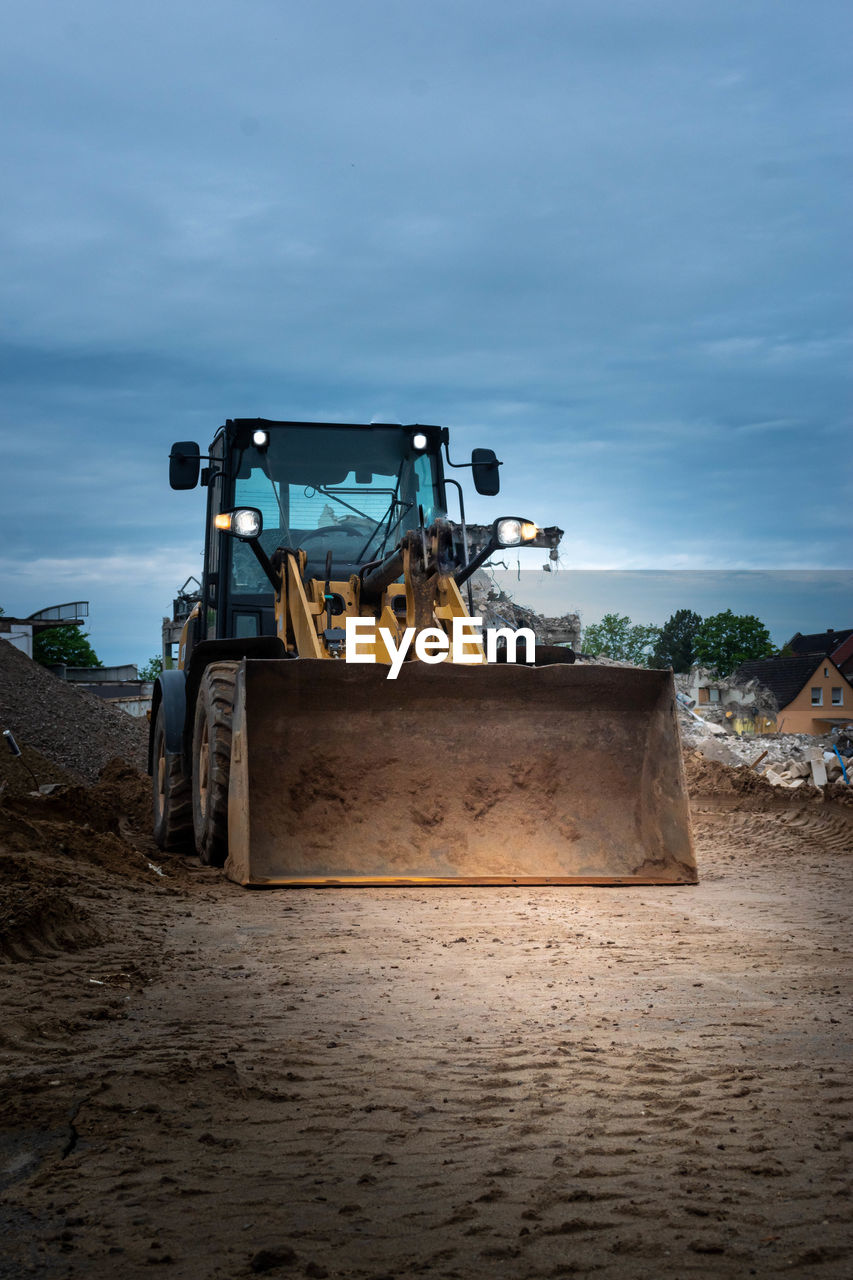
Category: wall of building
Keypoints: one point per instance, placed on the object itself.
(101, 675)
(18, 634)
(802, 716)
(132, 706)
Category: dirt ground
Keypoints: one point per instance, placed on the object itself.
(204, 1081)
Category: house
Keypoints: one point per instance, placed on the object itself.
(813, 695)
(18, 632)
(837, 645)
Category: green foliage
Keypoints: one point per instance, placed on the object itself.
(152, 668)
(727, 639)
(64, 644)
(674, 645)
(618, 637)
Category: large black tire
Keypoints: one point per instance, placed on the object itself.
(211, 756)
(173, 811)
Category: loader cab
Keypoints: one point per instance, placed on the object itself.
(348, 491)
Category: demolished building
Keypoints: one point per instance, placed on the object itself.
(740, 703)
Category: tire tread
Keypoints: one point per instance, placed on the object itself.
(217, 695)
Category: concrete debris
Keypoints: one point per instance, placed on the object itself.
(497, 609)
(798, 769)
(818, 766)
(789, 760)
(783, 779)
(685, 705)
(723, 699)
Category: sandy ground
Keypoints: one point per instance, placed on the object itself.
(200, 1080)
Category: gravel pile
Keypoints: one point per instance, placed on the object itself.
(66, 725)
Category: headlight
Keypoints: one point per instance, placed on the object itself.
(512, 531)
(508, 532)
(246, 522)
(242, 522)
(260, 438)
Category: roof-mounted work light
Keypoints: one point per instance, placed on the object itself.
(260, 438)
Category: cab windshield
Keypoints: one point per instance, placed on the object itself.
(353, 491)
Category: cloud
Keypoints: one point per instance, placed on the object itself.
(156, 565)
(128, 593)
(781, 350)
(607, 239)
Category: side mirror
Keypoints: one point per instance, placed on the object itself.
(184, 464)
(484, 467)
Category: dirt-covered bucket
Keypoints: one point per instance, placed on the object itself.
(450, 774)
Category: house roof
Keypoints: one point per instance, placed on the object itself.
(844, 652)
(820, 642)
(784, 677)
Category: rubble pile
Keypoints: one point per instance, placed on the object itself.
(497, 609)
(819, 768)
(748, 697)
(67, 726)
(783, 759)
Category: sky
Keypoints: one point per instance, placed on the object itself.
(608, 238)
(785, 600)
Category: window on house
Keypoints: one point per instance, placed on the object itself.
(817, 696)
(837, 697)
(713, 695)
(703, 694)
(826, 673)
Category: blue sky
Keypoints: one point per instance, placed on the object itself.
(786, 600)
(610, 239)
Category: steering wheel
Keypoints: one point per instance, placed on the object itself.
(332, 528)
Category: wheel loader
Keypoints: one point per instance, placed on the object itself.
(337, 717)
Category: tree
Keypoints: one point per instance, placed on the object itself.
(674, 646)
(152, 668)
(619, 637)
(64, 644)
(727, 639)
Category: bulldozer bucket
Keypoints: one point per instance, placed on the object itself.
(452, 774)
